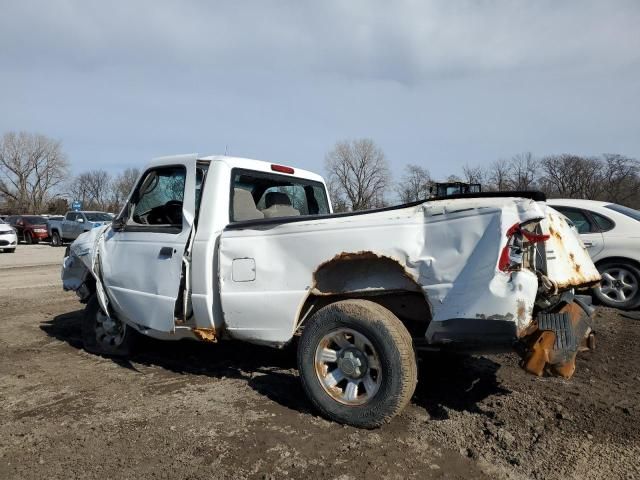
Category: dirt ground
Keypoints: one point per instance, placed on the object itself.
(186, 410)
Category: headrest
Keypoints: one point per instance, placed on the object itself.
(276, 198)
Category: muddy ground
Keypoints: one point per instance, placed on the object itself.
(186, 410)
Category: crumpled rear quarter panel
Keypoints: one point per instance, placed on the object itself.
(449, 248)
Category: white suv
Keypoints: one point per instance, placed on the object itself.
(611, 233)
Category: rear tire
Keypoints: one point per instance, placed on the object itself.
(106, 335)
(620, 286)
(56, 241)
(357, 364)
(28, 238)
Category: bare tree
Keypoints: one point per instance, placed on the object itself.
(474, 174)
(571, 176)
(523, 172)
(498, 176)
(99, 188)
(414, 184)
(78, 189)
(620, 177)
(122, 186)
(31, 167)
(358, 172)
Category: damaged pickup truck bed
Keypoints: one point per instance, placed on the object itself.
(213, 248)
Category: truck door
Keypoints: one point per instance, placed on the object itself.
(142, 256)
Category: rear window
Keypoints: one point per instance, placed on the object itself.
(257, 195)
(98, 217)
(629, 212)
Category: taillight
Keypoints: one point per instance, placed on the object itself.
(513, 251)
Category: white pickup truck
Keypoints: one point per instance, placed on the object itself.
(213, 248)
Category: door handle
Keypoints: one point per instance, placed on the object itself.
(166, 252)
(588, 244)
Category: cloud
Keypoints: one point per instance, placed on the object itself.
(440, 83)
(404, 41)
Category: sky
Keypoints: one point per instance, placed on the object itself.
(439, 84)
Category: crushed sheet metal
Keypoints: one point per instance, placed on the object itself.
(450, 248)
(552, 346)
(568, 262)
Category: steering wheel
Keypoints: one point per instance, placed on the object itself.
(173, 211)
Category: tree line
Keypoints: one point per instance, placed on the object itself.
(35, 177)
(359, 177)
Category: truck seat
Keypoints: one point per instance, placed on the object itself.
(244, 207)
(278, 205)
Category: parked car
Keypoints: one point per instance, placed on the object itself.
(611, 233)
(30, 228)
(215, 248)
(74, 223)
(8, 238)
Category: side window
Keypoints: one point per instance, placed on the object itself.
(603, 222)
(72, 216)
(578, 218)
(257, 195)
(158, 198)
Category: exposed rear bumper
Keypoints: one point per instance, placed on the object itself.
(553, 340)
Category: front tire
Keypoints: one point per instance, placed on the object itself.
(105, 335)
(56, 241)
(28, 238)
(620, 285)
(357, 363)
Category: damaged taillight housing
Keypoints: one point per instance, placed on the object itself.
(513, 252)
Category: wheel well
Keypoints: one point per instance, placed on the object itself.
(372, 277)
(635, 263)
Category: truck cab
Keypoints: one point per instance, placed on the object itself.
(177, 212)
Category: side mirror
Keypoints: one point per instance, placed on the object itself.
(80, 220)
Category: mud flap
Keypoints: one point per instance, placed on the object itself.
(552, 347)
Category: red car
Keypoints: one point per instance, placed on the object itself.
(30, 228)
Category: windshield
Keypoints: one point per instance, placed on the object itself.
(629, 212)
(33, 220)
(98, 217)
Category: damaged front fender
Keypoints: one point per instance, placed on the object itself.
(81, 268)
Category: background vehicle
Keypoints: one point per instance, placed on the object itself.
(73, 224)
(29, 228)
(213, 248)
(448, 189)
(8, 238)
(611, 234)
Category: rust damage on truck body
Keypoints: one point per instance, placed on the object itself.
(363, 271)
(206, 334)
